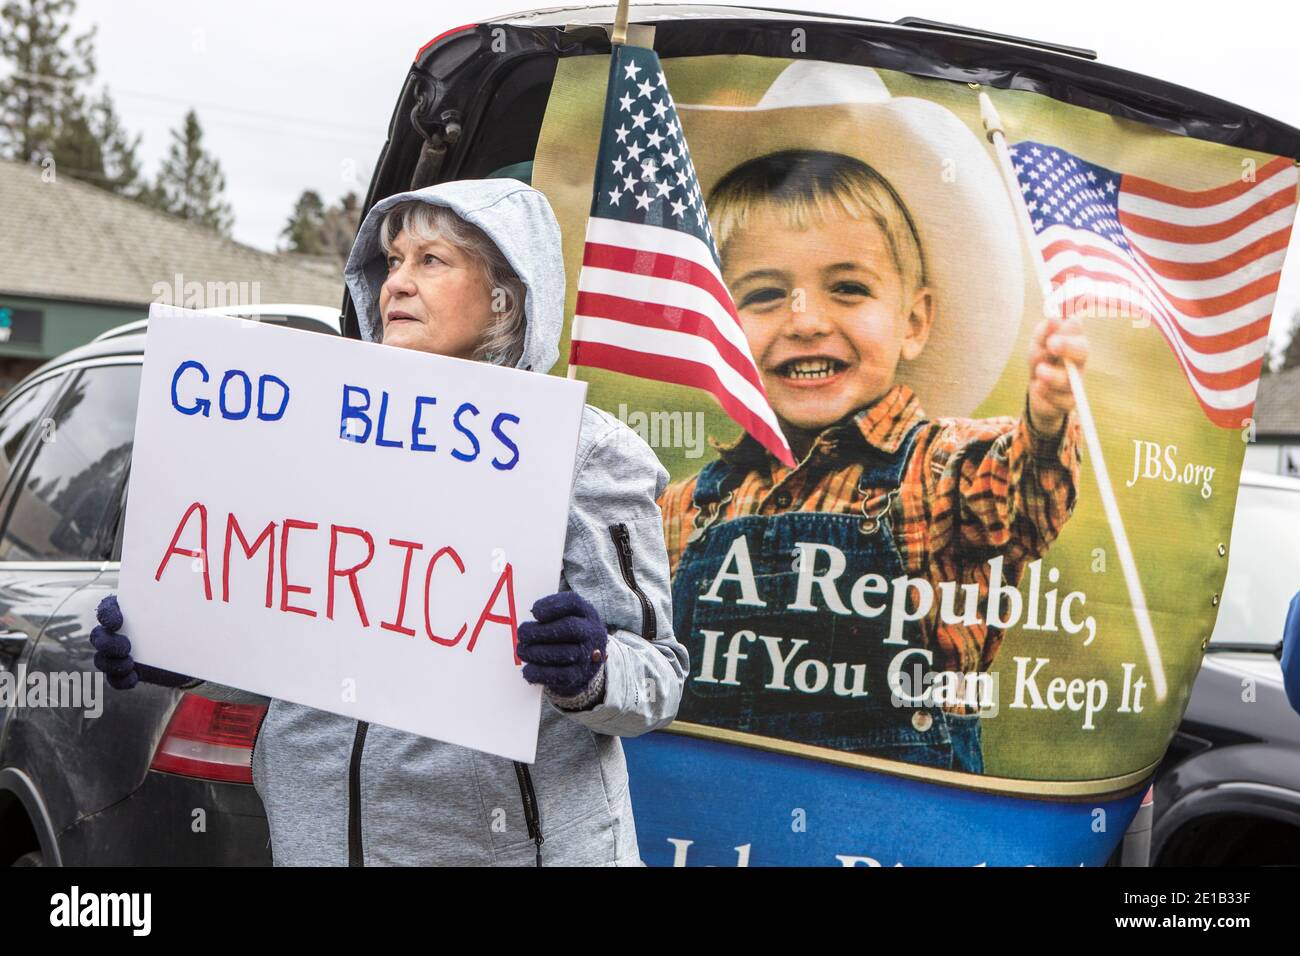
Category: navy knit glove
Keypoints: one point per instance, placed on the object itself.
(564, 649)
(113, 653)
(1291, 653)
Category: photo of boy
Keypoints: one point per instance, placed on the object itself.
(861, 296)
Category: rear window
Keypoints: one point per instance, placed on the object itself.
(69, 498)
(19, 415)
(1262, 566)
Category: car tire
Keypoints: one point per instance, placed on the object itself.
(33, 858)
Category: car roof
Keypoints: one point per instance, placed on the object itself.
(650, 13)
(1267, 479)
(128, 338)
(560, 16)
(324, 314)
(129, 343)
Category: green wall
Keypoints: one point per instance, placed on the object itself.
(66, 324)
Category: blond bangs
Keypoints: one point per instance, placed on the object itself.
(806, 189)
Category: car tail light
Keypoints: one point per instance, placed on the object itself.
(210, 739)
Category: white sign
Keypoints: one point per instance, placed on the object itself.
(346, 525)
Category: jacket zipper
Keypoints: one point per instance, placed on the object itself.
(623, 542)
(355, 855)
(256, 733)
(252, 751)
(531, 816)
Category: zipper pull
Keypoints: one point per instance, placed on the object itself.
(624, 543)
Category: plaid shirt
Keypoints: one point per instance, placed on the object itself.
(972, 489)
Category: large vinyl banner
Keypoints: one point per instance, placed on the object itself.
(963, 628)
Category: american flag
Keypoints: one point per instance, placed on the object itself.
(651, 300)
(1201, 265)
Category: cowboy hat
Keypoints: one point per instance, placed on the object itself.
(945, 177)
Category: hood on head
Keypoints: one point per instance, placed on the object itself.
(517, 218)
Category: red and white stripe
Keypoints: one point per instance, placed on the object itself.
(651, 303)
(1205, 271)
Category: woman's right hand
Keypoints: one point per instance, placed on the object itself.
(113, 653)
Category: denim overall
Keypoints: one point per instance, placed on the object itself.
(869, 724)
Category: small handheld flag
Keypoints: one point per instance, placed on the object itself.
(651, 300)
(1202, 265)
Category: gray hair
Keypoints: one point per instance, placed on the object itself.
(503, 344)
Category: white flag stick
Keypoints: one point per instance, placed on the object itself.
(993, 128)
(619, 34)
(617, 37)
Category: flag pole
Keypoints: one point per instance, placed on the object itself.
(617, 37)
(994, 130)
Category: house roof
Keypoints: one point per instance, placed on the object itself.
(1277, 404)
(69, 240)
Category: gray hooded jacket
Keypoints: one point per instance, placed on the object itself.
(339, 791)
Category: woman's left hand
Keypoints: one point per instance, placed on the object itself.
(564, 648)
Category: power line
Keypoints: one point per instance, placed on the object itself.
(308, 127)
(259, 114)
(282, 129)
(264, 130)
(142, 94)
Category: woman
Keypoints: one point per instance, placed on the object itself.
(474, 269)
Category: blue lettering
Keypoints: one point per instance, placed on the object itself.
(416, 429)
(354, 411)
(379, 432)
(496, 430)
(248, 395)
(261, 398)
(201, 405)
(466, 432)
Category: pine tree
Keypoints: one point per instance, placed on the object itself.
(303, 230)
(46, 68)
(121, 164)
(75, 145)
(1291, 354)
(90, 144)
(190, 184)
(43, 110)
(339, 226)
(320, 230)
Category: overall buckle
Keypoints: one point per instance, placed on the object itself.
(871, 520)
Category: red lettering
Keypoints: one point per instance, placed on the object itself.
(507, 580)
(428, 576)
(411, 547)
(349, 573)
(285, 586)
(201, 554)
(268, 535)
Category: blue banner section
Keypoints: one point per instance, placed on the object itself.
(703, 803)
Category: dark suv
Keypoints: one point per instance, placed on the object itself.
(89, 775)
(1228, 789)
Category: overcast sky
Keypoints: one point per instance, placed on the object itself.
(297, 95)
